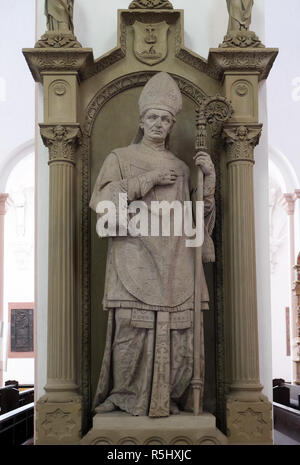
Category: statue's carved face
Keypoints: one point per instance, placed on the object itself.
(157, 124)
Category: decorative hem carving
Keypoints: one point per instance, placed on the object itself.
(149, 4)
(55, 39)
(242, 39)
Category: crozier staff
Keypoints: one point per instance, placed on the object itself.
(239, 14)
(147, 365)
(59, 15)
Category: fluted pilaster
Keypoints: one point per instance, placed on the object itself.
(243, 347)
(61, 373)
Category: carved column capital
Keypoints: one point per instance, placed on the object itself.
(62, 141)
(297, 194)
(241, 140)
(58, 40)
(3, 203)
(288, 203)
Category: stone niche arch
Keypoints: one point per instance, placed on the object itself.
(104, 128)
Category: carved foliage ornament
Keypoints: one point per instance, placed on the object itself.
(241, 141)
(57, 40)
(61, 141)
(260, 60)
(57, 60)
(242, 39)
(145, 4)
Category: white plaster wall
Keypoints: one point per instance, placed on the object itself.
(19, 255)
(17, 89)
(281, 300)
(17, 106)
(282, 31)
(261, 198)
(280, 278)
(205, 25)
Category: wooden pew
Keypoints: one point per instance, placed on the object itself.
(9, 399)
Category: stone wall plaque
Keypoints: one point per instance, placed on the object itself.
(21, 316)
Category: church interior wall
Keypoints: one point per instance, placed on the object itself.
(17, 115)
(96, 27)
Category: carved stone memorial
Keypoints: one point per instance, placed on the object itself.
(151, 341)
(21, 330)
(149, 287)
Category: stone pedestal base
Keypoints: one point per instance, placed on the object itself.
(54, 39)
(118, 428)
(249, 422)
(242, 39)
(58, 423)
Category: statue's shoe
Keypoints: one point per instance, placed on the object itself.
(106, 407)
(174, 410)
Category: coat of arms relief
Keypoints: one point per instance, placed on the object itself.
(150, 42)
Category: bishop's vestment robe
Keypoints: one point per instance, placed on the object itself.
(149, 289)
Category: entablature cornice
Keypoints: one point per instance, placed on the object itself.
(258, 60)
(57, 60)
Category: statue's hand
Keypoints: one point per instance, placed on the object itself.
(164, 177)
(203, 160)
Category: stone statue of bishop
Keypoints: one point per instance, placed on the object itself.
(147, 366)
